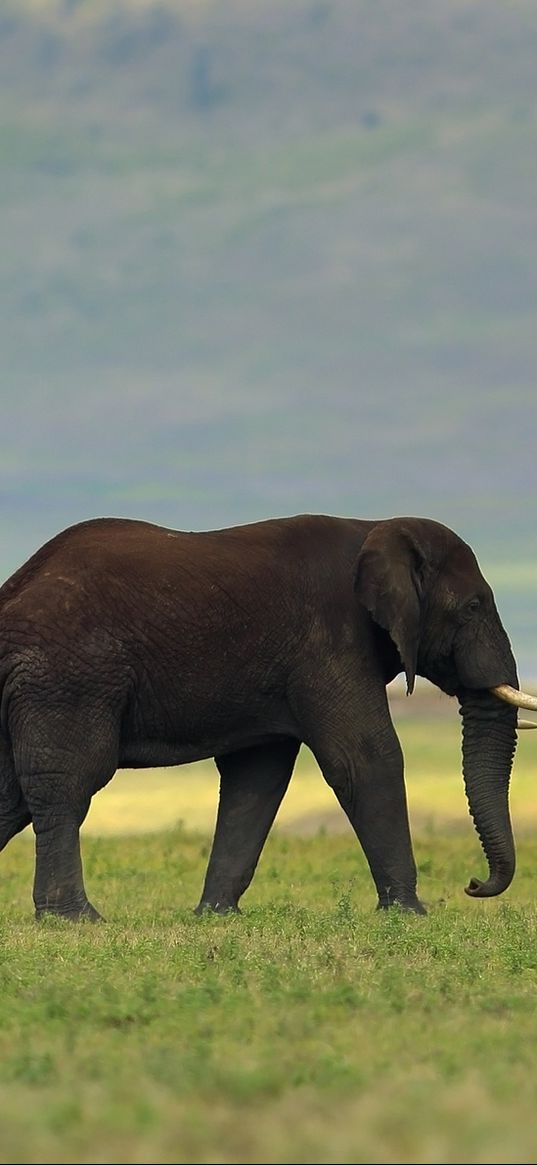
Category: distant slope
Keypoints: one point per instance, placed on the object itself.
(265, 257)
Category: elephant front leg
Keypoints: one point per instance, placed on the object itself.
(252, 784)
(368, 781)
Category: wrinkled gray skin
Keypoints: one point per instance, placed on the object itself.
(123, 644)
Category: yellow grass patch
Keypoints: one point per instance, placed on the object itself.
(140, 801)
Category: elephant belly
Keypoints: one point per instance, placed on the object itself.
(143, 754)
(176, 724)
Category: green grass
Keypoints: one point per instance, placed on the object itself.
(310, 1029)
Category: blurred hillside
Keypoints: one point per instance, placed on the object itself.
(260, 258)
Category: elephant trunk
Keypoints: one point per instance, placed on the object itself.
(488, 748)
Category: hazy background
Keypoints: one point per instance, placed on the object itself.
(260, 257)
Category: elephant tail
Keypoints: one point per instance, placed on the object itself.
(4, 701)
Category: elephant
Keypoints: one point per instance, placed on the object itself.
(125, 644)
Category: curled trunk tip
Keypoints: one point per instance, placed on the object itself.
(493, 886)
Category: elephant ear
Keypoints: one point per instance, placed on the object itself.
(389, 582)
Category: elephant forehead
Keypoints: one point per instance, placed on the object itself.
(461, 576)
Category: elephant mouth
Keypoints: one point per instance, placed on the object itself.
(519, 700)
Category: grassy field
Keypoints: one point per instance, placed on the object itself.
(311, 1029)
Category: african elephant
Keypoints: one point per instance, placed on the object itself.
(124, 644)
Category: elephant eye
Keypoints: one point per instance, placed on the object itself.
(473, 605)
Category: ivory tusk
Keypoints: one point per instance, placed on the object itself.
(513, 696)
(527, 724)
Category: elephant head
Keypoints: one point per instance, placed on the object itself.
(422, 584)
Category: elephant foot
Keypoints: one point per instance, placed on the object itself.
(85, 913)
(414, 906)
(217, 908)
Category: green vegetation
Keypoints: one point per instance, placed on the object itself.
(310, 1029)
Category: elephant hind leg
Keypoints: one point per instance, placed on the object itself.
(59, 882)
(58, 772)
(252, 784)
